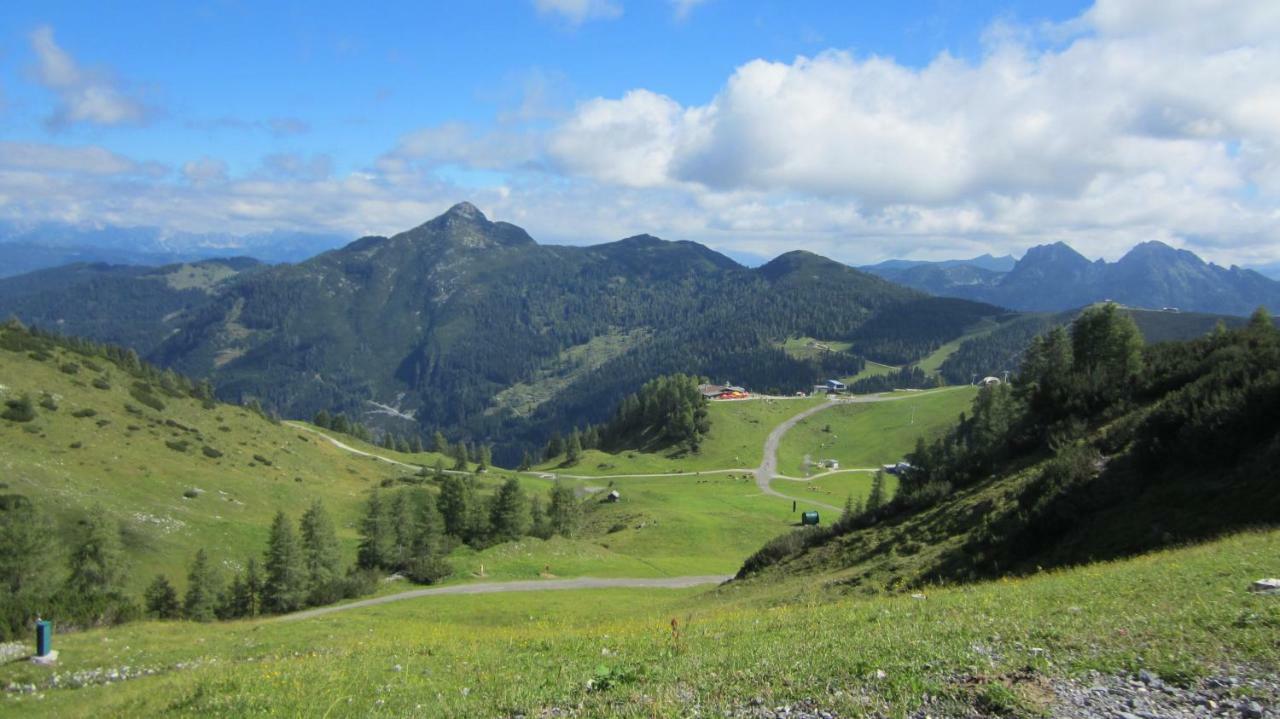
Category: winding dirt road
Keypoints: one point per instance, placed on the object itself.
(534, 585)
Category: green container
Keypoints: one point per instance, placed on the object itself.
(44, 638)
(809, 518)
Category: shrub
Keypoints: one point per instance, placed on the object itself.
(70, 368)
(191, 493)
(94, 366)
(77, 445)
(779, 548)
(101, 383)
(86, 412)
(49, 402)
(141, 391)
(180, 445)
(40, 356)
(263, 460)
(617, 527)
(19, 410)
(210, 452)
(428, 570)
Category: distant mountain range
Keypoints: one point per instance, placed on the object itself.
(468, 325)
(29, 247)
(1056, 277)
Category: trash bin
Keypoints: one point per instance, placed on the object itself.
(44, 637)
(808, 518)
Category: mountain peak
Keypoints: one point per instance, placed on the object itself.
(465, 211)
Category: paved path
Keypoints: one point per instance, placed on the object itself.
(535, 585)
(768, 469)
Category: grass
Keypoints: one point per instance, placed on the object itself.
(736, 441)
(803, 348)
(870, 434)
(137, 462)
(570, 365)
(614, 652)
(834, 489)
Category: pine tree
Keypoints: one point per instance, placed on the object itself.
(162, 599)
(28, 561)
(538, 526)
(573, 449)
(249, 602)
(486, 458)
(285, 588)
(427, 564)
(455, 505)
(201, 601)
(526, 462)
(404, 526)
(460, 457)
(376, 534)
(555, 447)
(876, 499)
(97, 559)
(563, 511)
(322, 555)
(415, 444)
(439, 444)
(509, 516)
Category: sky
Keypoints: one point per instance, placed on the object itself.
(858, 130)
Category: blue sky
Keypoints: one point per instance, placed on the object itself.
(586, 120)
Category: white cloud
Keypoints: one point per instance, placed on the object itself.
(684, 7)
(576, 12)
(1136, 122)
(84, 95)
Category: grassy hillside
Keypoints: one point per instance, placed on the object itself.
(871, 434)
(1010, 648)
(735, 441)
(149, 468)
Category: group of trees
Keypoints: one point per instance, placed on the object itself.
(1107, 422)
(411, 530)
(80, 580)
(338, 422)
(299, 569)
(667, 411)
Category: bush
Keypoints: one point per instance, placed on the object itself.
(70, 368)
(781, 547)
(49, 402)
(180, 445)
(86, 412)
(210, 452)
(141, 391)
(428, 570)
(101, 383)
(19, 410)
(263, 460)
(191, 493)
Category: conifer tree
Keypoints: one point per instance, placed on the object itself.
(563, 511)
(876, 499)
(573, 449)
(439, 443)
(460, 457)
(97, 559)
(28, 557)
(376, 535)
(555, 447)
(285, 588)
(455, 505)
(162, 599)
(249, 601)
(404, 525)
(415, 444)
(525, 462)
(509, 516)
(201, 601)
(322, 556)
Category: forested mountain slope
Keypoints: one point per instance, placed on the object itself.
(1102, 447)
(468, 325)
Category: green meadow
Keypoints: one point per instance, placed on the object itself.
(642, 653)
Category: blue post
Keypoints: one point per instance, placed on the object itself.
(44, 637)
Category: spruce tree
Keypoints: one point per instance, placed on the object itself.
(97, 559)
(249, 601)
(201, 601)
(404, 526)
(162, 599)
(322, 555)
(460, 457)
(415, 444)
(563, 511)
(526, 462)
(573, 449)
(876, 499)
(285, 588)
(439, 443)
(376, 534)
(509, 518)
(28, 566)
(455, 505)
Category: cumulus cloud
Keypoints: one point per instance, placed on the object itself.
(576, 12)
(205, 171)
(84, 95)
